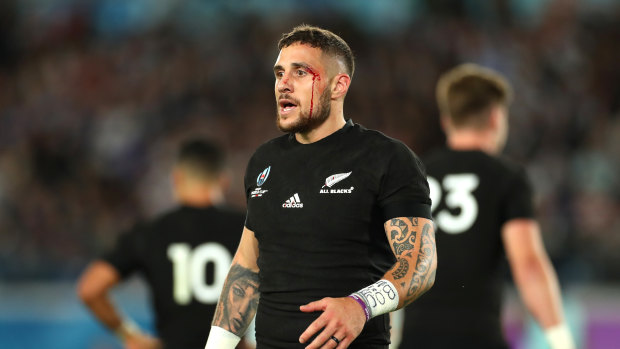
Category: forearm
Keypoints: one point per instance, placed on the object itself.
(412, 240)
(539, 289)
(105, 311)
(413, 244)
(238, 301)
(93, 289)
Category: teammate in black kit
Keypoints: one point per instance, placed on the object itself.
(482, 205)
(332, 208)
(173, 253)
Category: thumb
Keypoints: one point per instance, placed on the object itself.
(313, 306)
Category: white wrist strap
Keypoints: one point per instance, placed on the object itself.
(126, 328)
(219, 338)
(380, 298)
(559, 337)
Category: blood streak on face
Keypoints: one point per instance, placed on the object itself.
(315, 76)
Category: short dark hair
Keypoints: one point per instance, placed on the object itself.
(466, 91)
(323, 39)
(205, 158)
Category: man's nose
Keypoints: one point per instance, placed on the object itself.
(284, 84)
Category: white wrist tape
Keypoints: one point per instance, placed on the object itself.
(219, 338)
(559, 337)
(126, 328)
(380, 297)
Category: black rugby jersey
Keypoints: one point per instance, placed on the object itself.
(317, 211)
(184, 256)
(473, 195)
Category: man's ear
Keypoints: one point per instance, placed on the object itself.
(340, 86)
(494, 120)
(446, 123)
(224, 181)
(177, 176)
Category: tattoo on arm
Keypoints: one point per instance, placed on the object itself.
(238, 301)
(406, 245)
(424, 274)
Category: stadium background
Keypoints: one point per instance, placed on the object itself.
(96, 94)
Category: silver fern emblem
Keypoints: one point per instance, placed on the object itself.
(333, 179)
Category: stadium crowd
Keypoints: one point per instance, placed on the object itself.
(90, 114)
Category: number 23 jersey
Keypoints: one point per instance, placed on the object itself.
(473, 195)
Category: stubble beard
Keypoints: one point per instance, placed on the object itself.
(306, 122)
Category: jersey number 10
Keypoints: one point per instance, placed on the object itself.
(189, 271)
(459, 198)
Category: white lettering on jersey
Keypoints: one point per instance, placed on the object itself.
(459, 188)
(293, 202)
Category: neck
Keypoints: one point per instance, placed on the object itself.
(468, 139)
(200, 196)
(334, 122)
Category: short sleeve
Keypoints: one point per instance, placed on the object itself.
(519, 198)
(125, 255)
(248, 181)
(404, 190)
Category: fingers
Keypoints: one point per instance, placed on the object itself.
(329, 339)
(313, 306)
(338, 340)
(314, 327)
(323, 339)
(336, 321)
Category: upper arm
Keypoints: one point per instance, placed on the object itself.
(97, 279)
(247, 252)
(522, 241)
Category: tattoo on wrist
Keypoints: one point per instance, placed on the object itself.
(238, 301)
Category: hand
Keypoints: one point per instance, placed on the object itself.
(342, 318)
(142, 341)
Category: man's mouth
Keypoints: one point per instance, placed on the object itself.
(286, 105)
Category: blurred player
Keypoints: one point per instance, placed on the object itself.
(338, 231)
(183, 254)
(482, 205)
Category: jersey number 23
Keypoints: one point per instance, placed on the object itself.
(459, 199)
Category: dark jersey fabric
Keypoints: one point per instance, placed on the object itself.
(462, 310)
(318, 217)
(148, 248)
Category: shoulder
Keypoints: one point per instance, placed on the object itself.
(500, 165)
(169, 218)
(230, 212)
(378, 141)
(272, 145)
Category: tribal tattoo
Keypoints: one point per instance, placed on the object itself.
(424, 274)
(409, 247)
(238, 301)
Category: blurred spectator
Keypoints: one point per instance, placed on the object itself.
(91, 92)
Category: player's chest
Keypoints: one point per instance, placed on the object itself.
(295, 188)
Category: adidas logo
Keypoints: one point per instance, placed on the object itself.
(293, 202)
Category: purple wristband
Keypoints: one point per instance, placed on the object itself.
(362, 304)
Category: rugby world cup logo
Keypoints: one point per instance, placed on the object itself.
(262, 177)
